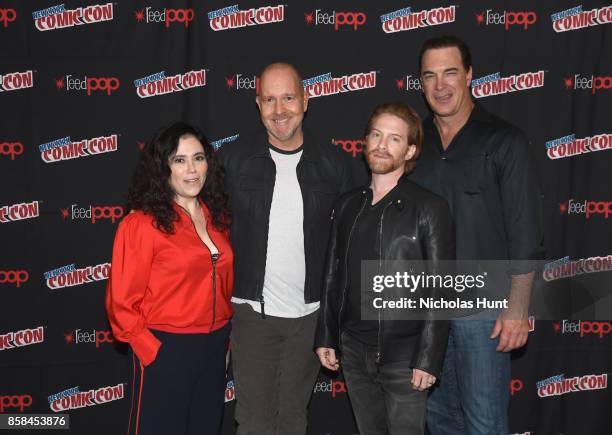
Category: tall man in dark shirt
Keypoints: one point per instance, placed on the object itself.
(482, 166)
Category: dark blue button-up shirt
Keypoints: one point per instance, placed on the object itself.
(488, 178)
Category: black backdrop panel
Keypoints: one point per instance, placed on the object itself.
(81, 82)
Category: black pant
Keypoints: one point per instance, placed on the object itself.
(275, 369)
(382, 397)
(183, 390)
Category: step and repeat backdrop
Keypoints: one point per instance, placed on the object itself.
(83, 84)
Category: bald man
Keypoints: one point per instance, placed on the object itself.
(282, 185)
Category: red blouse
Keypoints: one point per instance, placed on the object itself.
(165, 281)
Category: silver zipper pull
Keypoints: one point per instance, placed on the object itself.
(263, 311)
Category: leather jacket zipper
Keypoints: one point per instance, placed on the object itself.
(379, 355)
(348, 243)
(263, 310)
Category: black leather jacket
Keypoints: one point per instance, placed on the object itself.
(415, 225)
(323, 173)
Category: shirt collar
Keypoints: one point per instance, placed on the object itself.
(311, 151)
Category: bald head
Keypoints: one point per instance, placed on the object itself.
(282, 103)
(277, 69)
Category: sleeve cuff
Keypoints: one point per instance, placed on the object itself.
(145, 345)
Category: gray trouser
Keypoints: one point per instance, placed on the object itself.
(275, 369)
(382, 398)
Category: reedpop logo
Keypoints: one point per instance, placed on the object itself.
(352, 19)
(11, 149)
(93, 213)
(583, 327)
(80, 336)
(594, 83)
(18, 402)
(7, 16)
(586, 207)
(15, 277)
(90, 84)
(352, 147)
(516, 385)
(166, 16)
(242, 81)
(334, 387)
(409, 83)
(507, 18)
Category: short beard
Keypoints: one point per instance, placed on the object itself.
(381, 167)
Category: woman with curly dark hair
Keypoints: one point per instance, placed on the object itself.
(169, 291)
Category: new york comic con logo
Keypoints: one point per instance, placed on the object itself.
(66, 149)
(575, 18)
(73, 398)
(58, 17)
(21, 338)
(405, 19)
(104, 85)
(16, 80)
(165, 16)
(216, 144)
(592, 83)
(566, 268)
(522, 19)
(7, 15)
(19, 212)
(70, 276)
(158, 84)
(324, 84)
(559, 385)
(232, 17)
(495, 84)
(569, 146)
(230, 391)
(353, 20)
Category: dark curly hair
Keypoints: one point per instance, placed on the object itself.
(150, 189)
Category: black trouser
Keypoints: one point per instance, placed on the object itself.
(183, 390)
(275, 369)
(382, 397)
